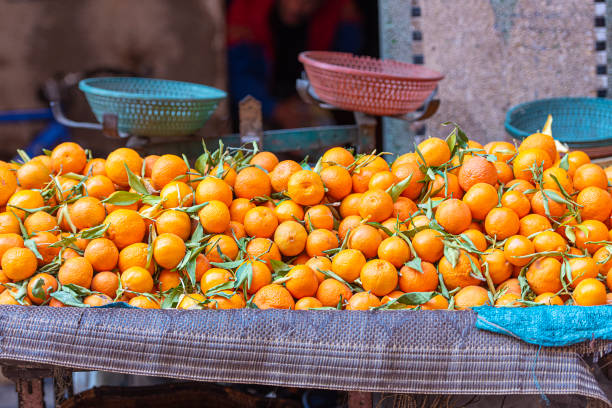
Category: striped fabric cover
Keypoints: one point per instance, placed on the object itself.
(427, 352)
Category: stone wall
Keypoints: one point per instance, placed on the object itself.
(164, 38)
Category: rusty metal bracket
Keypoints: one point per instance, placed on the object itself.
(357, 399)
(108, 127)
(251, 121)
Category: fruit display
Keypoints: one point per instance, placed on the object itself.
(452, 225)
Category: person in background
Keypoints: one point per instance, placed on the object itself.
(265, 38)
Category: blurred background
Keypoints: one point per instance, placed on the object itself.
(494, 54)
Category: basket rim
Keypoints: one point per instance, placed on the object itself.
(517, 133)
(309, 58)
(87, 85)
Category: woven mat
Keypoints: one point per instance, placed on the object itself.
(427, 352)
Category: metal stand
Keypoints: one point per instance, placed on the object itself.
(28, 379)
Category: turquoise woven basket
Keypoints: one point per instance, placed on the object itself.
(152, 107)
(579, 122)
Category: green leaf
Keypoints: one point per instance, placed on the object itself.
(135, 182)
(452, 255)
(68, 298)
(31, 245)
(244, 274)
(415, 263)
(37, 289)
(397, 189)
(279, 268)
(23, 155)
(201, 164)
(564, 163)
(94, 232)
(443, 288)
(415, 298)
(172, 298)
(151, 200)
(332, 275)
(229, 264)
(122, 198)
(76, 289)
(220, 287)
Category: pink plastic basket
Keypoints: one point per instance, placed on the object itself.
(369, 85)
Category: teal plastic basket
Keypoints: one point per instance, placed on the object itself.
(579, 122)
(152, 107)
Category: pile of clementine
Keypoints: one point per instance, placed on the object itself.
(452, 225)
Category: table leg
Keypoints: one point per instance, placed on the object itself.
(30, 392)
(358, 399)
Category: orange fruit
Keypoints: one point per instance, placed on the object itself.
(461, 274)
(517, 202)
(481, 198)
(228, 174)
(501, 223)
(581, 269)
(395, 250)
(412, 280)
(542, 199)
(497, 265)
(149, 161)
(379, 181)
(590, 292)
(177, 194)
(75, 270)
(290, 236)
(453, 215)
(261, 276)
(38, 221)
(87, 212)
(125, 227)
(168, 250)
(9, 240)
(503, 151)
(266, 160)
(319, 263)
(320, 240)
(260, 222)
(362, 301)
(289, 210)
(102, 254)
(403, 208)
(116, 162)
(338, 182)
(561, 176)
(97, 300)
(471, 296)
(191, 301)
(588, 175)
(95, 167)
(522, 186)
(166, 169)
(532, 224)
(509, 300)
(379, 277)
(239, 207)
(596, 203)
(476, 237)
(214, 277)
(366, 239)
(603, 258)
(546, 241)
(19, 263)
(8, 184)
(43, 241)
(68, 157)
(105, 282)
(510, 286)
(236, 301)
(376, 205)
(7, 297)
(319, 217)
(350, 205)
(540, 141)
(477, 170)
(307, 303)
(415, 186)
(144, 302)
(528, 159)
(420, 221)
(504, 172)
(337, 155)
(33, 175)
(435, 151)
(24, 199)
(252, 182)
(202, 265)
(543, 275)
(517, 250)
(306, 187)
(263, 249)
(331, 292)
(9, 223)
(176, 222)
(548, 298)
(576, 159)
(446, 188)
(428, 245)
(46, 161)
(347, 264)
(273, 296)
(215, 216)
(302, 282)
(279, 176)
(588, 233)
(45, 288)
(235, 230)
(136, 279)
(135, 255)
(212, 188)
(438, 302)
